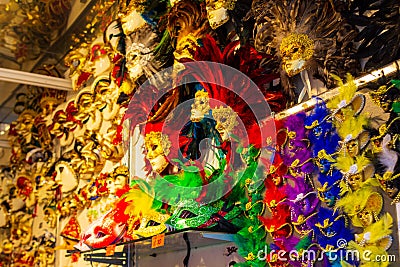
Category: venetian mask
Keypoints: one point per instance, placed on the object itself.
(151, 224)
(103, 232)
(296, 49)
(115, 36)
(250, 154)
(304, 204)
(329, 194)
(99, 61)
(50, 217)
(137, 56)
(25, 122)
(190, 214)
(355, 181)
(225, 119)
(217, 11)
(132, 21)
(157, 148)
(324, 162)
(353, 148)
(76, 61)
(392, 187)
(25, 187)
(184, 47)
(200, 106)
(84, 102)
(45, 257)
(120, 176)
(367, 213)
(66, 177)
(365, 217)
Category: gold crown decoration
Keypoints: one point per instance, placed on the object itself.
(201, 94)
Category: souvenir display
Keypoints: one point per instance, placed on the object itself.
(181, 118)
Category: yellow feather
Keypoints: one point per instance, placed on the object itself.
(346, 91)
(139, 202)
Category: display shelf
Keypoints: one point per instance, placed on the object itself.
(179, 243)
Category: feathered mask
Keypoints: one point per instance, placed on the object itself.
(304, 34)
(368, 207)
(331, 227)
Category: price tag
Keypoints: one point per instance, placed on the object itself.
(110, 250)
(157, 241)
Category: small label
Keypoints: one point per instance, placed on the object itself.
(157, 241)
(110, 250)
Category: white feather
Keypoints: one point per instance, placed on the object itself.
(388, 157)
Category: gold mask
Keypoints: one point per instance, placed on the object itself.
(200, 106)
(157, 147)
(226, 121)
(295, 50)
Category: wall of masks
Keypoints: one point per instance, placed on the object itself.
(172, 125)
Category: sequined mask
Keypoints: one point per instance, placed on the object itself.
(295, 50)
(189, 214)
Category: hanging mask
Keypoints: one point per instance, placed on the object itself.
(65, 177)
(324, 162)
(99, 61)
(103, 232)
(367, 214)
(226, 120)
(131, 21)
(217, 11)
(76, 61)
(139, 53)
(157, 149)
(115, 37)
(331, 227)
(329, 194)
(200, 106)
(25, 187)
(390, 184)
